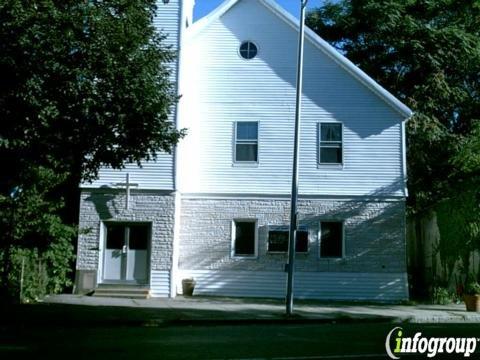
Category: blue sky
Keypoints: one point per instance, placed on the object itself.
(203, 7)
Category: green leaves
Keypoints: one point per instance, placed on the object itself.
(427, 52)
(89, 80)
(84, 84)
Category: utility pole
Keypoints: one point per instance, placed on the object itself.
(292, 239)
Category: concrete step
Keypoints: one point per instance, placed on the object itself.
(118, 291)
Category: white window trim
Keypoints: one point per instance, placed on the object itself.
(257, 142)
(320, 240)
(281, 228)
(232, 246)
(330, 166)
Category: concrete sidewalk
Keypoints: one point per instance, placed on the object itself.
(213, 309)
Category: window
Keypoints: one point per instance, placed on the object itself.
(244, 238)
(133, 236)
(331, 239)
(138, 237)
(248, 50)
(115, 236)
(246, 141)
(330, 143)
(278, 239)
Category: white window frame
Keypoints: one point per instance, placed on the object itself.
(233, 230)
(333, 165)
(246, 142)
(320, 239)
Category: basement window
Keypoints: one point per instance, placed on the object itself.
(331, 239)
(278, 239)
(244, 238)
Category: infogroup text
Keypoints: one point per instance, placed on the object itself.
(432, 346)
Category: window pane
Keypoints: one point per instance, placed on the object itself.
(331, 239)
(331, 132)
(139, 236)
(278, 241)
(248, 50)
(115, 236)
(244, 238)
(247, 130)
(302, 241)
(331, 155)
(246, 152)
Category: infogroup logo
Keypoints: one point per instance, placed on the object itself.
(432, 346)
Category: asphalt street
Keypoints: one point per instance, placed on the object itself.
(216, 341)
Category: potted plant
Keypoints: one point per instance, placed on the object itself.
(188, 285)
(471, 296)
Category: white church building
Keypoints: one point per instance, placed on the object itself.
(217, 208)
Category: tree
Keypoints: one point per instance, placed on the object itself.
(84, 84)
(427, 53)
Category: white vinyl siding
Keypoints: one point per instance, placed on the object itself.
(159, 283)
(308, 285)
(223, 87)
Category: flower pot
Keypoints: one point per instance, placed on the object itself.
(472, 302)
(188, 285)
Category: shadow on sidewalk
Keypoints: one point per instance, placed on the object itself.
(79, 316)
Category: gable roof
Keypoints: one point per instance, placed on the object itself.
(318, 42)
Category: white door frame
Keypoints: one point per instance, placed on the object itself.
(101, 253)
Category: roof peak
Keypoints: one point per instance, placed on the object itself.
(314, 39)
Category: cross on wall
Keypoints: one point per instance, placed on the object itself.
(127, 184)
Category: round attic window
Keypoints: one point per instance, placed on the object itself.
(248, 50)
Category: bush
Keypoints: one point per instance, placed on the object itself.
(442, 296)
(35, 242)
(36, 273)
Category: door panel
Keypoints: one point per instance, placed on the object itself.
(137, 257)
(137, 266)
(114, 257)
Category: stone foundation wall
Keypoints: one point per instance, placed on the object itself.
(374, 234)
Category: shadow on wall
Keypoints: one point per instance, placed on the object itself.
(104, 202)
(374, 243)
(360, 218)
(326, 84)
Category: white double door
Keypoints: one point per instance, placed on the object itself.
(126, 255)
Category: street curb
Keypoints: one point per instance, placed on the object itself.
(256, 321)
(79, 315)
(209, 322)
